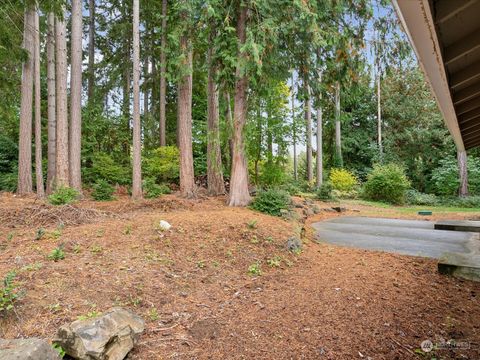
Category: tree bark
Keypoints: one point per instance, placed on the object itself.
(75, 140)
(229, 117)
(379, 116)
(163, 82)
(38, 114)
(308, 122)
(319, 138)
(24, 185)
(187, 181)
(91, 51)
(294, 133)
(62, 157)
(463, 174)
(136, 168)
(239, 195)
(338, 134)
(216, 185)
(52, 127)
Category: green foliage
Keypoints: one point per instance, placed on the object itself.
(387, 183)
(8, 292)
(414, 197)
(152, 190)
(342, 180)
(271, 202)
(446, 180)
(463, 202)
(8, 181)
(63, 195)
(104, 167)
(58, 348)
(325, 192)
(56, 254)
(102, 190)
(162, 164)
(273, 175)
(254, 269)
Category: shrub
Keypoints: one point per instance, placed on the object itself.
(104, 167)
(414, 197)
(8, 292)
(63, 195)
(342, 180)
(446, 180)
(271, 202)
(8, 181)
(56, 254)
(162, 164)
(102, 190)
(325, 192)
(387, 183)
(152, 190)
(465, 202)
(272, 174)
(352, 194)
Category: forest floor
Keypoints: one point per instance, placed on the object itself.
(193, 286)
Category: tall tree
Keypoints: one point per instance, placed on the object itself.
(75, 141)
(216, 185)
(52, 127)
(62, 157)
(338, 131)
(38, 114)
(163, 81)
(91, 51)
(294, 132)
(308, 132)
(319, 173)
(187, 181)
(25, 137)
(463, 174)
(239, 194)
(136, 168)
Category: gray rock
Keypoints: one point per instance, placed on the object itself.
(339, 209)
(27, 349)
(108, 337)
(294, 244)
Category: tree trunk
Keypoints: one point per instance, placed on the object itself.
(75, 140)
(62, 166)
(163, 82)
(91, 51)
(229, 117)
(319, 138)
(379, 117)
(216, 185)
(136, 168)
(38, 114)
(294, 134)
(52, 127)
(146, 92)
(187, 181)
(308, 122)
(463, 174)
(239, 195)
(338, 134)
(25, 137)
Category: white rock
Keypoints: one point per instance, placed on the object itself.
(164, 226)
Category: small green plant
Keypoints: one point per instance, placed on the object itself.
(57, 254)
(32, 267)
(9, 292)
(275, 261)
(127, 230)
(102, 190)
(254, 269)
(252, 224)
(152, 190)
(77, 249)
(10, 236)
(271, 202)
(254, 239)
(39, 234)
(90, 315)
(201, 264)
(153, 314)
(58, 348)
(63, 195)
(96, 249)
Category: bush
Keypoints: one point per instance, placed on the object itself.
(162, 164)
(104, 167)
(63, 195)
(152, 190)
(272, 175)
(102, 190)
(446, 180)
(8, 292)
(386, 183)
(465, 202)
(342, 180)
(271, 202)
(352, 194)
(414, 197)
(325, 192)
(8, 181)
